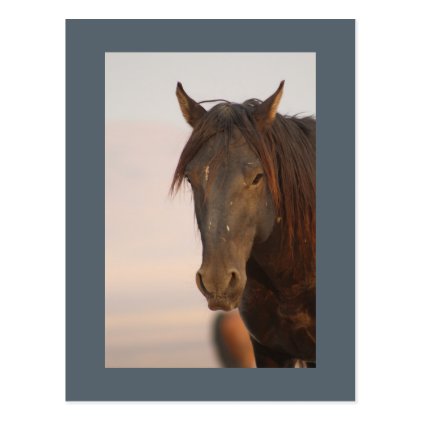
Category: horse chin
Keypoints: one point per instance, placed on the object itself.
(223, 304)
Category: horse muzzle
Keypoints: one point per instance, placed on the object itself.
(223, 295)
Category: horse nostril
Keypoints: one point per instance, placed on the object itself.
(234, 279)
(200, 284)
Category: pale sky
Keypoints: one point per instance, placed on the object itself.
(141, 86)
(155, 315)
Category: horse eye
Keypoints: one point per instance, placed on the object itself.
(258, 177)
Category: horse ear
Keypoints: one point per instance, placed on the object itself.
(266, 111)
(191, 110)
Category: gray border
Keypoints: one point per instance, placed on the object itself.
(86, 43)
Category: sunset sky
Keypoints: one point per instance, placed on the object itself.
(155, 315)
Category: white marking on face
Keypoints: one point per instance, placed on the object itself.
(278, 219)
(231, 203)
(206, 171)
(228, 228)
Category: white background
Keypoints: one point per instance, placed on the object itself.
(389, 291)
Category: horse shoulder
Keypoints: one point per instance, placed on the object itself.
(277, 322)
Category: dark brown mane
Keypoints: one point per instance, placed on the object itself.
(287, 153)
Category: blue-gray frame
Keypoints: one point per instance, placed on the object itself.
(87, 41)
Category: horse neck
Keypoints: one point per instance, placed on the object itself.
(270, 258)
(274, 258)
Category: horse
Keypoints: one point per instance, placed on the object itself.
(252, 175)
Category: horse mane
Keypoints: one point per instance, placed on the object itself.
(286, 150)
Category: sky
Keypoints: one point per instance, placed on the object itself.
(155, 315)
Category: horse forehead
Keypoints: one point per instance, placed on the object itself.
(238, 151)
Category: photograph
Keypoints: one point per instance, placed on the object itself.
(210, 210)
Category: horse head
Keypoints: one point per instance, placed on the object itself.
(232, 178)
